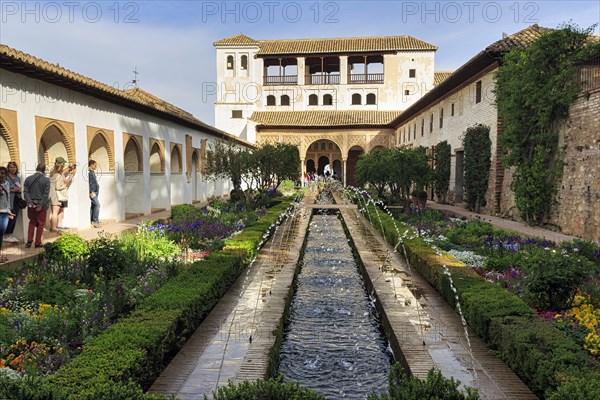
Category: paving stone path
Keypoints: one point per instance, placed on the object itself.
(413, 313)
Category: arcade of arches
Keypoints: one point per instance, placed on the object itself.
(338, 148)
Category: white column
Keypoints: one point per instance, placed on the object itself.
(303, 171)
(344, 166)
(343, 70)
(301, 70)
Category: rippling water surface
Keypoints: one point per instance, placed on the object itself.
(333, 341)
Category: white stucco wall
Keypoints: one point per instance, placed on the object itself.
(120, 192)
(466, 114)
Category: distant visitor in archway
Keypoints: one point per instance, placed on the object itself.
(94, 188)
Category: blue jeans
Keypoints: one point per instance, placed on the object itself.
(95, 209)
(3, 224)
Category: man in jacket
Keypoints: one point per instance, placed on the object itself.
(36, 192)
(94, 188)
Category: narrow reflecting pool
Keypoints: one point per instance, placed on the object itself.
(333, 342)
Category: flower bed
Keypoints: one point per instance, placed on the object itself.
(123, 360)
(545, 357)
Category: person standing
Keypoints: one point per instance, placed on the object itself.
(36, 192)
(14, 181)
(94, 188)
(5, 207)
(56, 184)
(62, 193)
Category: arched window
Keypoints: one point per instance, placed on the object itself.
(313, 100)
(327, 100)
(270, 100)
(371, 98)
(244, 62)
(285, 100)
(229, 62)
(356, 99)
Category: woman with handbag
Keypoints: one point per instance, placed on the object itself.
(5, 207)
(56, 185)
(16, 200)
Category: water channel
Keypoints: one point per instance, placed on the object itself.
(333, 342)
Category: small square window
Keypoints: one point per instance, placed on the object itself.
(407, 92)
(236, 114)
(412, 73)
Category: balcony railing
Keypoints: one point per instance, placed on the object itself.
(281, 80)
(365, 78)
(322, 79)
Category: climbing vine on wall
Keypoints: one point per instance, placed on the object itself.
(478, 153)
(441, 171)
(535, 87)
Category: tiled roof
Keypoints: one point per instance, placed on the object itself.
(25, 64)
(236, 40)
(439, 77)
(324, 118)
(522, 38)
(329, 45)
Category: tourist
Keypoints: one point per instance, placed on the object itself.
(62, 193)
(327, 171)
(5, 207)
(94, 188)
(14, 181)
(36, 191)
(56, 184)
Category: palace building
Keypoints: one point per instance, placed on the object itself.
(334, 98)
(339, 97)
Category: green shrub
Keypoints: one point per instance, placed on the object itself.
(434, 387)
(109, 257)
(66, 248)
(554, 278)
(149, 242)
(270, 389)
(540, 354)
(184, 212)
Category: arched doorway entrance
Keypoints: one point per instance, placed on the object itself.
(133, 183)
(323, 161)
(7, 152)
(321, 153)
(353, 155)
(176, 175)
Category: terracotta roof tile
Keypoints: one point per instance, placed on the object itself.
(439, 77)
(236, 40)
(523, 38)
(324, 118)
(342, 45)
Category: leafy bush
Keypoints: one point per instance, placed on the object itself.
(149, 241)
(109, 257)
(66, 248)
(434, 387)
(184, 212)
(270, 389)
(554, 278)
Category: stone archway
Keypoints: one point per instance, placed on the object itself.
(323, 161)
(52, 145)
(353, 155)
(194, 176)
(101, 152)
(310, 166)
(133, 182)
(9, 147)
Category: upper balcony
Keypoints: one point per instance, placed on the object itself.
(365, 69)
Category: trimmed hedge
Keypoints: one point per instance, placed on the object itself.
(124, 360)
(542, 355)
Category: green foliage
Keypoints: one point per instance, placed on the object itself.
(434, 387)
(542, 355)
(148, 243)
(478, 152)
(108, 257)
(270, 389)
(398, 169)
(470, 235)
(535, 87)
(554, 278)
(441, 180)
(184, 212)
(66, 248)
(579, 385)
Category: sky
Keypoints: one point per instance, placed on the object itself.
(170, 43)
